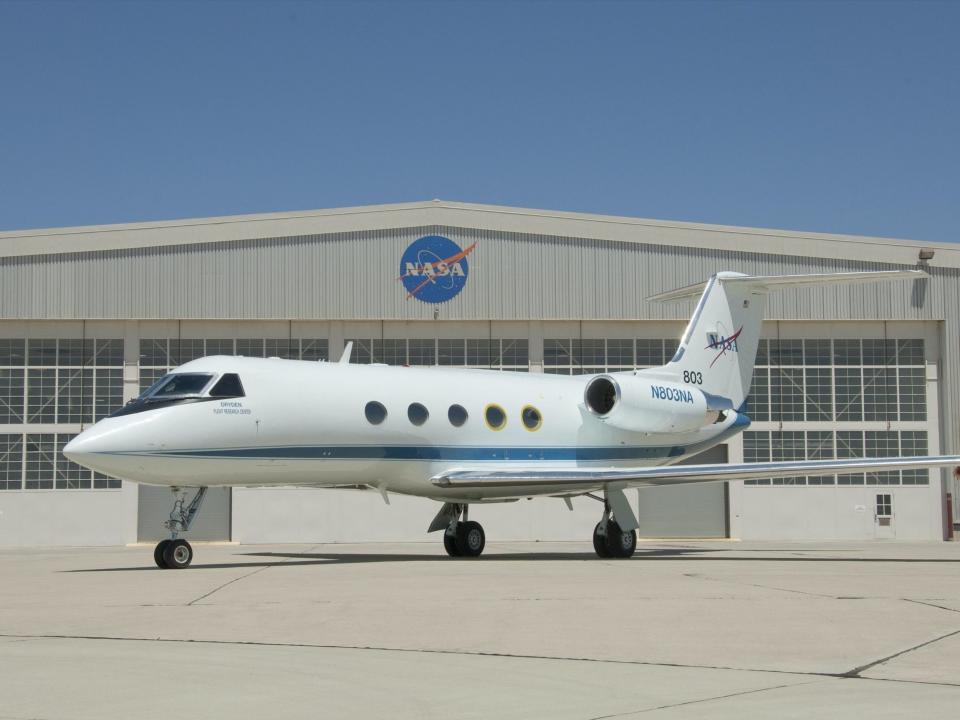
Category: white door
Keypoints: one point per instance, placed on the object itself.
(883, 516)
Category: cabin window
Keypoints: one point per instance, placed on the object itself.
(229, 386)
(181, 384)
(417, 413)
(457, 414)
(495, 416)
(376, 413)
(532, 420)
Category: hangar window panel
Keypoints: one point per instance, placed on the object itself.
(478, 353)
(11, 461)
(650, 353)
(183, 351)
(219, 347)
(820, 447)
(514, 354)
(879, 394)
(847, 352)
(910, 352)
(849, 393)
(817, 352)
(756, 448)
(285, 348)
(620, 353)
(758, 402)
(422, 352)
(74, 352)
(42, 351)
(108, 352)
(884, 443)
(40, 461)
(788, 445)
(912, 393)
(670, 349)
(248, 347)
(13, 352)
(390, 352)
(108, 392)
(362, 352)
(763, 352)
(74, 395)
(11, 395)
(69, 475)
(451, 352)
(105, 482)
(786, 393)
(310, 349)
(155, 351)
(914, 443)
(41, 395)
(879, 352)
(786, 352)
(818, 393)
(148, 376)
(556, 353)
(587, 353)
(850, 445)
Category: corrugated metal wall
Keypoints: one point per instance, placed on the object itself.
(346, 276)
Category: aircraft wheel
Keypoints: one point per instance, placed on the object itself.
(178, 554)
(600, 543)
(470, 538)
(158, 553)
(450, 544)
(620, 544)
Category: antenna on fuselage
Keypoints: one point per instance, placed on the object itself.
(345, 358)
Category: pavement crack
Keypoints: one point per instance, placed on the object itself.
(229, 582)
(237, 579)
(855, 672)
(701, 700)
(930, 604)
(758, 585)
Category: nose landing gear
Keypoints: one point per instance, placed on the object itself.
(610, 540)
(176, 553)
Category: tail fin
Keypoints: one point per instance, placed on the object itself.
(719, 346)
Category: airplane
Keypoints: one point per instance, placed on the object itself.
(461, 436)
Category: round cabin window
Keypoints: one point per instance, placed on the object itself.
(376, 413)
(417, 413)
(532, 420)
(495, 416)
(457, 414)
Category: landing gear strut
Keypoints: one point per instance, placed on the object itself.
(175, 553)
(461, 537)
(610, 540)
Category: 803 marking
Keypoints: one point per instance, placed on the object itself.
(694, 378)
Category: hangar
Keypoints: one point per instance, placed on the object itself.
(90, 316)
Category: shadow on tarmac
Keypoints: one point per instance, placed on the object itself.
(291, 559)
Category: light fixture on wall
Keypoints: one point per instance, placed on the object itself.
(926, 254)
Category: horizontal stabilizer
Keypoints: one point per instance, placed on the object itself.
(765, 283)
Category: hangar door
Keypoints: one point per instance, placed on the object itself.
(211, 523)
(687, 511)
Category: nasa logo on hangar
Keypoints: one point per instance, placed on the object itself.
(434, 269)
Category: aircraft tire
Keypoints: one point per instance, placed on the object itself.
(158, 553)
(470, 538)
(620, 544)
(600, 543)
(178, 554)
(450, 544)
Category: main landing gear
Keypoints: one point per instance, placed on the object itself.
(609, 539)
(461, 537)
(175, 553)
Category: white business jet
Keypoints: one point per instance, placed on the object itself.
(461, 436)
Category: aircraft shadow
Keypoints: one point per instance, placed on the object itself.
(291, 559)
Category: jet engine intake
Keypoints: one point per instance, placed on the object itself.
(643, 405)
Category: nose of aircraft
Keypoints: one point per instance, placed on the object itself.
(82, 447)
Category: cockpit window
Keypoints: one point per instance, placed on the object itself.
(228, 386)
(181, 385)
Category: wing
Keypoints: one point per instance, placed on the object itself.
(530, 479)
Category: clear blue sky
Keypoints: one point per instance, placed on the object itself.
(832, 116)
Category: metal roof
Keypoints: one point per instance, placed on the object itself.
(494, 218)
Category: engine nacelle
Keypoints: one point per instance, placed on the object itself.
(640, 405)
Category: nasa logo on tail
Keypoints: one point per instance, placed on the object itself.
(722, 344)
(434, 269)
